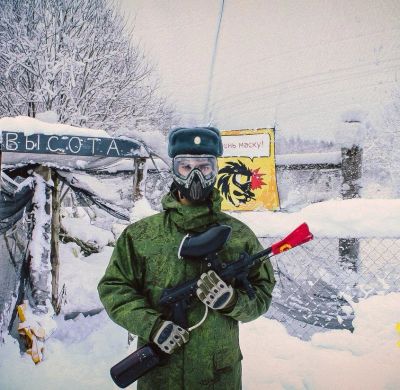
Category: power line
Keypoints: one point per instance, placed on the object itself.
(207, 114)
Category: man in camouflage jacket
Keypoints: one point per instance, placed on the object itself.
(145, 262)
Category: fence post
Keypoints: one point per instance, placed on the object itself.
(351, 171)
(349, 248)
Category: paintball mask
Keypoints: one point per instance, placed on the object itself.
(195, 175)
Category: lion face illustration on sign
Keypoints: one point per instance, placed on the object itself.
(237, 182)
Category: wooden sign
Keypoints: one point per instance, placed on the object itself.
(13, 141)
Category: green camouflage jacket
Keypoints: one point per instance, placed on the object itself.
(145, 261)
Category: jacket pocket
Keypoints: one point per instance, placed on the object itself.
(227, 369)
(226, 358)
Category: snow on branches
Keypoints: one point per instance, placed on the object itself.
(76, 58)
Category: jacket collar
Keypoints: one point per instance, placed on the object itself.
(194, 217)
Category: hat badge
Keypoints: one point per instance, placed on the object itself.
(197, 140)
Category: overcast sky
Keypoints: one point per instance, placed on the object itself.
(294, 64)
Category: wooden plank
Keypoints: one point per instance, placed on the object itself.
(38, 274)
(55, 242)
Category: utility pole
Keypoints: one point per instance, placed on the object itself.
(207, 114)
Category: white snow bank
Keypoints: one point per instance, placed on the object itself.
(110, 188)
(78, 356)
(141, 210)
(78, 227)
(334, 218)
(365, 359)
(80, 275)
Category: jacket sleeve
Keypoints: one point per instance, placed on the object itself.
(120, 291)
(263, 281)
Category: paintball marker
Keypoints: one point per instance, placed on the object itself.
(203, 247)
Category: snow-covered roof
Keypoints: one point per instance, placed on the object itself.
(30, 126)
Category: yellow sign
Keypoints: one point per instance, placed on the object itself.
(246, 178)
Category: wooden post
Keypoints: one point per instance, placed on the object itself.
(40, 265)
(135, 177)
(139, 164)
(349, 248)
(55, 240)
(351, 171)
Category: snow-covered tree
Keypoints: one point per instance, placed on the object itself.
(381, 151)
(76, 58)
(392, 129)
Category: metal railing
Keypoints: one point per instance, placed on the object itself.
(317, 283)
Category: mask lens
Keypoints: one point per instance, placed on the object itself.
(183, 165)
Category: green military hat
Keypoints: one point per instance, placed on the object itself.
(195, 140)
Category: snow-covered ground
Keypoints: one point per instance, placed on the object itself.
(81, 351)
(333, 218)
(368, 358)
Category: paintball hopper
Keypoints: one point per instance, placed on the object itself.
(200, 245)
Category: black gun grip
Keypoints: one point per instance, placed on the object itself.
(178, 313)
(247, 286)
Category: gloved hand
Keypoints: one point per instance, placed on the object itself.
(214, 292)
(170, 337)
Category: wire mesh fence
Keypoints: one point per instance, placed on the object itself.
(318, 282)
